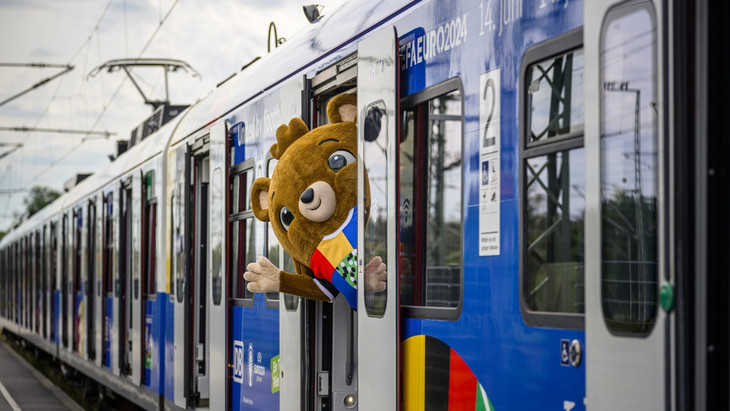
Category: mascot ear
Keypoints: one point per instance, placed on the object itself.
(260, 198)
(286, 135)
(342, 108)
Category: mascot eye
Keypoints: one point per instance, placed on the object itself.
(339, 159)
(286, 217)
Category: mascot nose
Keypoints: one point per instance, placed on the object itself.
(307, 196)
(318, 202)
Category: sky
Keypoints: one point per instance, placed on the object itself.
(216, 37)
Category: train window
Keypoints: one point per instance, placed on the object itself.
(278, 256)
(178, 227)
(149, 234)
(216, 235)
(173, 255)
(629, 170)
(241, 224)
(431, 175)
(552, 178)
(555, 98)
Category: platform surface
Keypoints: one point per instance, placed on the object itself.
(24, 388)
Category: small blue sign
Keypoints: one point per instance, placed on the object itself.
(565, 353)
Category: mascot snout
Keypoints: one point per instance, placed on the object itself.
(318, 202)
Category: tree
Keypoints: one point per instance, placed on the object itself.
(37, 198)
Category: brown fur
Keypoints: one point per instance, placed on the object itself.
(303, 160)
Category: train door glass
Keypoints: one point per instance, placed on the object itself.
(197, 311)
(378, 314)
(45, 272)
(64, 300)
(39, 282)
(124, 281)
(107, 278)
(3, 281)
(90, 283)
(27, 282)
(179, 266)
(629, 339)
(149, 266)
(52, 264)
(77, 293)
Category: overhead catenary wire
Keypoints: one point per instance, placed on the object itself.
(106, 105)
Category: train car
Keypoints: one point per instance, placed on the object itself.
(548, 191)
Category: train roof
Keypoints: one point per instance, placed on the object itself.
(346, 23)
(314, 43)
(129, 160)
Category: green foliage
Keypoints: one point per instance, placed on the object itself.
(39, 197)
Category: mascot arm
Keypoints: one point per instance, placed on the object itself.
(263, 276)
(305, 285)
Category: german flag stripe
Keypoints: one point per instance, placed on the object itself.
(438, 356)
(435, 377)
(414, 373)
(463, 385)
(320, 266)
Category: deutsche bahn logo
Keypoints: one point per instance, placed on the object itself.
(238, 361)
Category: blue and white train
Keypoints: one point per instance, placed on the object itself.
(550, 195)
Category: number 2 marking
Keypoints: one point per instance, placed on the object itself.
(487, 87)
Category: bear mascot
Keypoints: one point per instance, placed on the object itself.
(311, 203)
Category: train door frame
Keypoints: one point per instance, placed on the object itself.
(90, 283)
(295, 96)
(63, 297)
(149, 228)
(108, 243)
(53, 259)
(38, 288)
(123, 284)
(378, 336)
(217, 341)
(136, 298)
(328, 330)
(197, 388)
(637, 350)
(77, 279)
(45, 277)
(181, 244)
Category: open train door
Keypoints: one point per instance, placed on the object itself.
(628, 333)
(291, 309)
(378, 311)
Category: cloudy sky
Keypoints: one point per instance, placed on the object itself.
(216, 37)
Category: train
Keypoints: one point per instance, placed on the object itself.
(549, 194)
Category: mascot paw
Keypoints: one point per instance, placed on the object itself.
(263, 276)
(375, 275)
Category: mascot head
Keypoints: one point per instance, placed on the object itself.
(314, 184)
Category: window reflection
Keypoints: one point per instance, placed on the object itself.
(629, 170)
(431, 203)
(375, 158)
(554, 220)
(556, 97)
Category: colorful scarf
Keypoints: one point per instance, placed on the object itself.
(335, 259)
